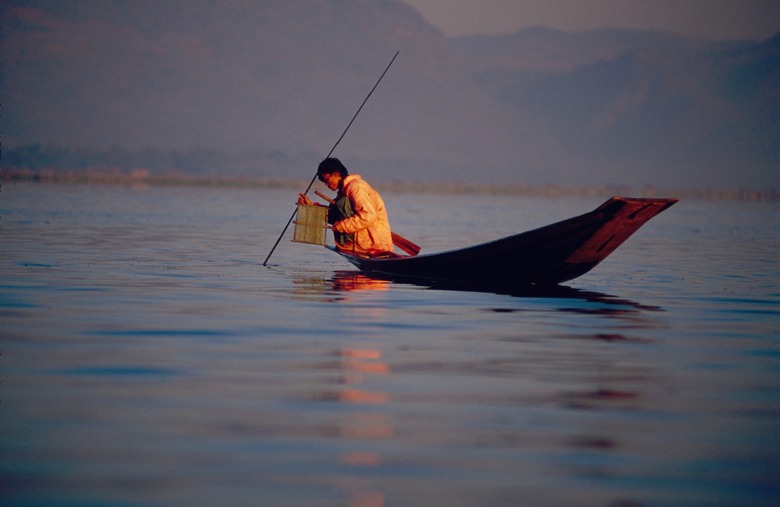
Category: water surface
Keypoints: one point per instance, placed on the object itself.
(149, 358)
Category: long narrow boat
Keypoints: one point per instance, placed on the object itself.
(546, 256)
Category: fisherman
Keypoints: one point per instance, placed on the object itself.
(358, 214)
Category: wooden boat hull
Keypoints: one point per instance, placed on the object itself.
(546, 256)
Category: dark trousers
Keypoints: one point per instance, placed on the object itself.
(340, 210)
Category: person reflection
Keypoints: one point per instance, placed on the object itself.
(357, 366)
(348, 281)
(315, 287)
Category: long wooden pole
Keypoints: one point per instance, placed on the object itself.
(265, 262)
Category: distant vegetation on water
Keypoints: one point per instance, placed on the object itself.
(262, 169)
(195, 162)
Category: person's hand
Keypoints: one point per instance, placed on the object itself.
(303, 199)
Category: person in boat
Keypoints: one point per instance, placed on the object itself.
(358, 215)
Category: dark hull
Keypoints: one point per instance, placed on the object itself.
(546, 256)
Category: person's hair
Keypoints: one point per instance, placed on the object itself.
(331, 166)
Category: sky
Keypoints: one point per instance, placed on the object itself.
(707, 19)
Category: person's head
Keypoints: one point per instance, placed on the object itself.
(332, 172)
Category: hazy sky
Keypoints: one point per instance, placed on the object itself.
(711, 19)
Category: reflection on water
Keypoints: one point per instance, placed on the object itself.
(351, 281)
(341, 282)
(334, 287)
(521, 380)
(352, 367)
(347, 281)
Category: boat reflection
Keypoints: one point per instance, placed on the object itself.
(342, 286)
(356, 280)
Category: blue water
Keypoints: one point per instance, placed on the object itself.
(149, 358)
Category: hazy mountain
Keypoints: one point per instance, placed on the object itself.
(283, 77)
(651, 103)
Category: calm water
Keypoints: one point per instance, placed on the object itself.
(148, 358)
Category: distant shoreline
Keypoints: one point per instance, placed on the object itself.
(143, 178)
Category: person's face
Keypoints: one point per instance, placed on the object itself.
(331, 180)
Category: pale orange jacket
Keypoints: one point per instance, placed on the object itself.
(369, 223)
